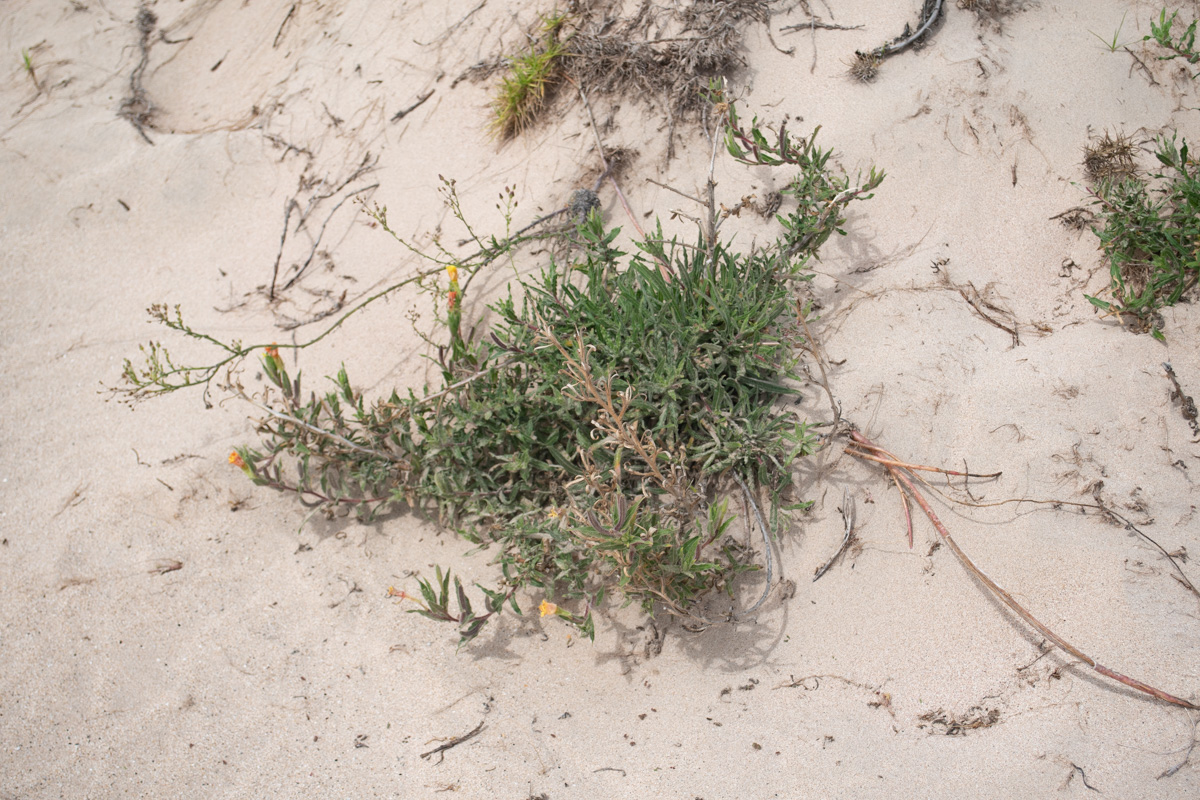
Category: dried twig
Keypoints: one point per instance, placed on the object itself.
(1099, 505)
(441, 749)
(815, 348)
(971, 301)
(1186, 756)
(136, 107)
(1008, 599)
(1129, 526)
(1082, 776)
(762, 527)
(865, 65)
(404, 112)
(1187, 404)
(848, 518)
(291, 324)
(930, 12)
(286, 19)
(320, 234)
(446, 34)
(816, 23)
(165, 565)
(663, 267)
(890, 462)
(1138, 62)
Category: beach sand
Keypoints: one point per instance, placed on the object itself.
(169, 630)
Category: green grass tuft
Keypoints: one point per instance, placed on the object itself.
(529, 80)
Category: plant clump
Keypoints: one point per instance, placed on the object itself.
(665, 54)
(1110, 159)
(592, 435)
(661, 55)
(1148, 231)
(530, 78)
(1149, 227)
(864, 67)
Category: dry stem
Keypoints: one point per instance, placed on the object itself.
(1005, 597)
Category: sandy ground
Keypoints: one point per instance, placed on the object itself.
(272, 664)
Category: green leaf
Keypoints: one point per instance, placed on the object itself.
(464, 602)
(427, 593)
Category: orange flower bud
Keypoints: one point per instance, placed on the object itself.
(236, 460)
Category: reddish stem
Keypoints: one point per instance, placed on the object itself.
(1008, 600)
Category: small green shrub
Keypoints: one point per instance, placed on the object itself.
(589, 436)
(1149, 229)
(1182, 45)
(1150, 235)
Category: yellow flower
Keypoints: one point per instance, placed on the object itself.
(236, 460)
(553, 513)
(452, 271)
(547, 608)
(273, 364)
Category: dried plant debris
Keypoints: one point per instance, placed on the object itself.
(865, 66)
(136, 107)
(1077, 218)
(943, 723)
(1111, 158)
(990, 14)
(662, 54)
(992, 8)
(1187, 405)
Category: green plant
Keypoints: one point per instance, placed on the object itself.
(1181, 46)
(27, 63)
(1149, 229)
(1150, 235)
(1114, 44)
(591, 435)
(530, 77)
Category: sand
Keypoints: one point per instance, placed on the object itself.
(271, 663)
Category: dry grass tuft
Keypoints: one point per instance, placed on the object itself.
(864, 67)
(661, 54)
(1110, 159)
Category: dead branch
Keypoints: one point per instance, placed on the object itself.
(404, 112)
(848, 518)
(320, 234)
(815, 23)
(1008, 600)
(441, 749)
